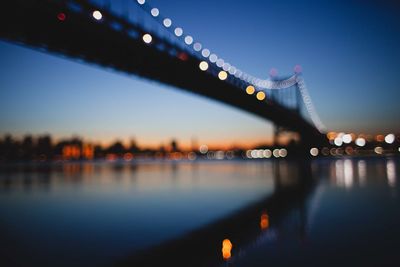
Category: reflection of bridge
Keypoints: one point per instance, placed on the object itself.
(118, 40)
(245, 228)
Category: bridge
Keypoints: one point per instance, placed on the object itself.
(116, 34)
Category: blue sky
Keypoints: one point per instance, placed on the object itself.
(348, 51)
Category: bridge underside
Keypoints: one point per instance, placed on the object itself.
(34, 23)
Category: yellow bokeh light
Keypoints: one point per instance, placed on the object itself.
(203, 66)
(260, 96)
(222, 75)
(250, 89)
(147, 38)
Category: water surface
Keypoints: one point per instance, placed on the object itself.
(326, 212)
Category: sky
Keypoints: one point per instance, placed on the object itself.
(348, 50)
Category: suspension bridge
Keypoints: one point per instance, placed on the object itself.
(133, 37)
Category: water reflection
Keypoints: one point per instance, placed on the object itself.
(391, 173)
(226, 249)
(264, 222)
(194, 213)
(362, 172)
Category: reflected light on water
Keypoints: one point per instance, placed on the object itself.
(362, 171)
(344, 173)
(391, 173)
(226, 249)
(348, 173)
(264, 222)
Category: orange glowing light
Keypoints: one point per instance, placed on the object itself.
(331, 135)
(226, 249)
(380, 138)
(264, 222)
(250, 90)
(260, 96)
(111, 157)
(128, 156)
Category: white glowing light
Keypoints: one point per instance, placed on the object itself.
(203, 66)
(267, 153)
(390, 138)
(188, 40)
(213, 58)
(282, 152)
(220, 62)
(338, 141)
(205, 52)
(167, 22)
(347, 138)
(378, 150)
(248, 154)
(141, 2)
(155, 12)
(97, 15)
(360, 141)
(147, 38)
(391, 173)
(203, 149)
(226, 66)
(276, 153)
(178, 32)
(197, 46)
(314, 151)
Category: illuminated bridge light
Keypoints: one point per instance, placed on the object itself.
(220, 62)
(167, 22)
(205, 52)
(97, 15)
(222, 75)
(155, 12)
(213, 58)
(188, 40)
(203, 66)
(260, 96)
(61, 16)
(147, 38)
(197, 47)
(250, 89)
(226, 249)
(232, 70)
(141, 2)
(178, 32)
(226, 66)
(275, 152)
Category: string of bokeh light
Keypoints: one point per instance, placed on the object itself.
(256, 84)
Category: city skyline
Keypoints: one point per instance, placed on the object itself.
(346, 55)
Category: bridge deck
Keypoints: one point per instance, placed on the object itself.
(35, 23)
